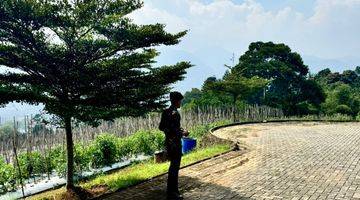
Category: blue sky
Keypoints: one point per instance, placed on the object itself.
(305, 6)
(324, 32)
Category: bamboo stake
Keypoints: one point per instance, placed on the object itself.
(16, 158)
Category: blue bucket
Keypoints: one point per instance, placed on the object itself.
(188, 144)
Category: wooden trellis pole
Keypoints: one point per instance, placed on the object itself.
(16, 158)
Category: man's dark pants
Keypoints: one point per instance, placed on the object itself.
(174, 155)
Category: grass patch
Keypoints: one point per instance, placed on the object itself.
(148, 169)
(136, 173)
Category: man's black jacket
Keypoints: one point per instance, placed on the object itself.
(170, 125)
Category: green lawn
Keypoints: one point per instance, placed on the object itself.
(145, 170)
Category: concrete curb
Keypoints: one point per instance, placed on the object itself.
(275, 121)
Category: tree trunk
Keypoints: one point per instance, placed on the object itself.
(70, 155)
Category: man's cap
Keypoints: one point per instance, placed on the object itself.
(175, 96)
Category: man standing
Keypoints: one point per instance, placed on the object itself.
(170, 125)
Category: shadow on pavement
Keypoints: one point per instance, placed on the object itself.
(191, 188)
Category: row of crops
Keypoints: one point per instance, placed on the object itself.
(42, 133)
(105, 150)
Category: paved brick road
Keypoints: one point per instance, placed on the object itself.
(286, 161)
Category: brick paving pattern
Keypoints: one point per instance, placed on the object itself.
(285, 161)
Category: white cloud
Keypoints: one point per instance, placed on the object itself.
(325, 37)
(149, 15)
(332, 30)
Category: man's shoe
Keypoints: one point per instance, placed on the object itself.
(180, 197)
(175, 196)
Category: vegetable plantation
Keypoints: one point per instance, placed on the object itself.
(41, 151)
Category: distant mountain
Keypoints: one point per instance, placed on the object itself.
(204, 66)
(338, 65)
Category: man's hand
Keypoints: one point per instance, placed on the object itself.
(185, 133)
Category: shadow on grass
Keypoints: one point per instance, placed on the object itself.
(191, 188)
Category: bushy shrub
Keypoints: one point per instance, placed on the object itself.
(219, 123)
(338, 117)
(200, 130)
(31, 164)
(124, 147)
(146, 142)
(7, 176)
(81, 159)
(58, 155)
(343, 109)
(358, 117)
(142, 142)
(159, 140)
(104, 150)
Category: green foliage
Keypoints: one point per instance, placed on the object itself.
(200, 98)
(342, 89)
(31, 164)
(219, 123)
(81, 159)
(357, 70)
(201, 130)
(6, 130)
(286, 72)
(108, 149)
(330, 118)
(103, 150)
(138, 172)
(267, 74)
(238, 86)
(87, 55)
(97, 64)
(58, 155)
(342, 99)
(343, 109)
(269, 60)
(226, 92)
(358, 117)
(146, 142)
(124, 147)
(7, 176)
(145, 170)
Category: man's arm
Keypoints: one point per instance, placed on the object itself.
(170, 124)
(163, 126)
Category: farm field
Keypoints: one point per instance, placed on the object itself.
(41, 153)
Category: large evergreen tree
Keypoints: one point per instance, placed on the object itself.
(83, 60)
(289, 87)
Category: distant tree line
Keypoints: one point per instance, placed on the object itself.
(271, 74)
(342, 91)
